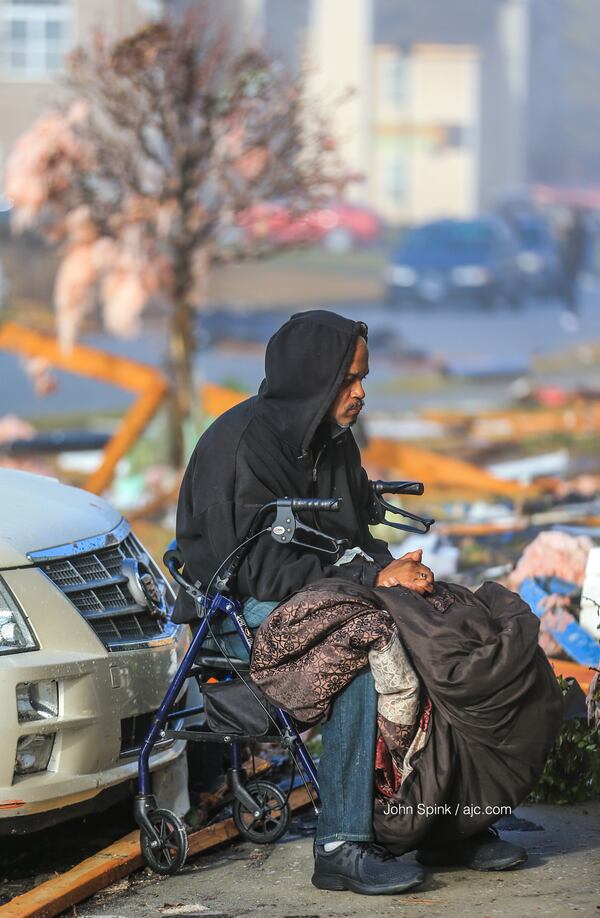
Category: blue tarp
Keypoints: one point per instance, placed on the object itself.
(574, 640)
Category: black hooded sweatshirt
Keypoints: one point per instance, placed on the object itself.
(279, 443)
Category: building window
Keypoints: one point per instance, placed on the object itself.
(455, 136)
(395, 80)
(396, 181)
(37, 34)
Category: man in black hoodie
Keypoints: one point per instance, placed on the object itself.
(290, 439)
(294, 439)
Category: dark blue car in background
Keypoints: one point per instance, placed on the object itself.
(539, 259)
(456, 260)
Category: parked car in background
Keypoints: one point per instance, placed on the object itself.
(338, 226)
(87, 650)
(538, 256)
(449, 259)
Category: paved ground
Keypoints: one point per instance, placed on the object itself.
(508, 340)
(561, 878)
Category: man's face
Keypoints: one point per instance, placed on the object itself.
(348, 403)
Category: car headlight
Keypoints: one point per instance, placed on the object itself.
(33, 753)
(530, 262)
(15, 634)
(37, 700)
(470, 276)
(400, 275)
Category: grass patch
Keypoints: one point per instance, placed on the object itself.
(360, 262)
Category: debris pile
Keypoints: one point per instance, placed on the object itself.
(550, 576)
(14, 429)
(553, 554)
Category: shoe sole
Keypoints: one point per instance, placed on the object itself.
(499, 865)
(509, 866)
(338, 883)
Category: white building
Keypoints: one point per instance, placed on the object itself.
(424, 132)
(338, 55)
(436, 124)
(35, 36)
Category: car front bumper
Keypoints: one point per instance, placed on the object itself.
(105, 702)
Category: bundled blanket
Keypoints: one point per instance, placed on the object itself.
(471, 734)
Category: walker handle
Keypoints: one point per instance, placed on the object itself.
(397, 487)
(315, 503)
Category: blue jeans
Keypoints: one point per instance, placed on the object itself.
(255, 612)
(346, 769)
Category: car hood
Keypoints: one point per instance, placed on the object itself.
(37, 512)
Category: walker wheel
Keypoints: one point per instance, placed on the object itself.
(168, 856)
(274, 816)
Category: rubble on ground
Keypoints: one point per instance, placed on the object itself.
(553, 554)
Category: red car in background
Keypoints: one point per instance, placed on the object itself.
(338, 226)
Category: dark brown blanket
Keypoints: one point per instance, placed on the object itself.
(496, 704)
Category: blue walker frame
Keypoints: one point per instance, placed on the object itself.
(187, 668)
(157, 838)
(162, 833)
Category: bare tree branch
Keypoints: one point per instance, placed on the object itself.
(168, 138)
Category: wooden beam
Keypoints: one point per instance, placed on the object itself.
(148, 382)
(94, 873)
(565, 668)
(437, 471)
(133, 424)
(111, 864)
(544, 518)
(578, 417)
(399, 460)
(217, 399)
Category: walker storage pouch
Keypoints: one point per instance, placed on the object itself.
(231, 708)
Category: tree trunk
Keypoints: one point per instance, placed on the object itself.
(182, 400)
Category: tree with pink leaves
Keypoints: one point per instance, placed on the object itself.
(168, 135)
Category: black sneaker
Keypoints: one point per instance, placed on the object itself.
(484, 851)
(365, 868)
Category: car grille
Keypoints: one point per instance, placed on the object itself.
(94, 583)
(134, 730)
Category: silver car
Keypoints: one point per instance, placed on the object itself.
(87, 650)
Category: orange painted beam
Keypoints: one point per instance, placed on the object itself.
(149, 383)
(443, 472)
(94, 873)
(218, 399)
(399, 460)
(111, 864)
(479, 529)
(134, 422)
(583, 674)
(578, 417)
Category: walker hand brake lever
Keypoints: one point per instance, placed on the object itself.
(425, 524)
(378, 506)
(286, 525)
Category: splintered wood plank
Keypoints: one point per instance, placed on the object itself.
(565, 668)
(147, 382)
(94, 873)
(111, 864)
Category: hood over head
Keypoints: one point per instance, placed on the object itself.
(305, 363)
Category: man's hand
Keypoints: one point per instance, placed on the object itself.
(407, 571)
